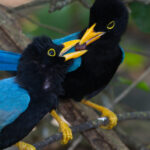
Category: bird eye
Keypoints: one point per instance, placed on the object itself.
(111, 25)
(51, 52)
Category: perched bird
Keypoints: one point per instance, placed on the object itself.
(103, 57)
(91, 73)
(28, 97)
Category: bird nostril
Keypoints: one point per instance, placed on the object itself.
(79, 47)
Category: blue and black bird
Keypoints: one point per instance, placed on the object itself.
(89, 75)
(28, 97)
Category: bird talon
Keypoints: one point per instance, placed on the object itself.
(105, 113)
(67, 133)
(25, 146)
(111, 116)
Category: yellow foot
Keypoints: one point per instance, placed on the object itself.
(63, 127)
(105, 113)
(66, 131)
(25, 146)
(110, 115)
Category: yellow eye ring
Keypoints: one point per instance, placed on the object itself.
(111, 25)
(51, 52)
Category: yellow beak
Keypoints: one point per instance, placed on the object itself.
(73, 55)
(90, 36)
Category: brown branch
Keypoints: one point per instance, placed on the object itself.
(59, 4)
(94, 124)
(32, 4)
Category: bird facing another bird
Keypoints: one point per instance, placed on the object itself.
(95, 70)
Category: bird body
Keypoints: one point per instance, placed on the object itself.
(104, 55)
(85, 77)
(34, 91)
(9, 60)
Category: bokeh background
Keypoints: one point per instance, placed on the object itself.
(135, 42)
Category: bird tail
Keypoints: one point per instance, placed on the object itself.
(8, 60)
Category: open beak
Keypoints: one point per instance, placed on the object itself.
(72, 55)
(90, 36)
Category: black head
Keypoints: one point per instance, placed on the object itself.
(44, 52)
(110, 16)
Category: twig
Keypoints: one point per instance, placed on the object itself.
(85, 3)
(131, 87)
(59, 4)
(44, 25)
(35, 22)
(94, 124)
(32, 4)
(76, 143)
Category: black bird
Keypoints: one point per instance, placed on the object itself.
(34, 92)
(108, 18)
(103, 57)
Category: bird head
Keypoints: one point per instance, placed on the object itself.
(110, 16)
(45, 53)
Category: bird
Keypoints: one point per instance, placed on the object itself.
(35, 90)
(107, 23)
(103, 58)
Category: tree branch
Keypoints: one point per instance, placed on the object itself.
(131, 87)
(94, 124)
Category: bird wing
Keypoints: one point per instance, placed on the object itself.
(9, 60)
(13, 101)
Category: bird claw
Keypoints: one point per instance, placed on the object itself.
(111, 116)
(25, 146)
(67, 133)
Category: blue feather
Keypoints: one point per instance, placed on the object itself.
(13, 101)
(9, 60)
(123, 54)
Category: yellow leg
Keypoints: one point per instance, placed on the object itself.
(105, 113)
(25, 146)
(63, 127)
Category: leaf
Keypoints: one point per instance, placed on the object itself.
(142, 85)
(140, 15)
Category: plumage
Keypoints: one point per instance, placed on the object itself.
(34, 92)
(104, 55)
(9, 60)
(14, 101)
(86, 76)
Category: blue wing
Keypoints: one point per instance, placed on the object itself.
(13, 101)
(9, 60)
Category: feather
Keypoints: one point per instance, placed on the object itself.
(13, 103)
(9, 60)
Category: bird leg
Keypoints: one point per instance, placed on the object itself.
(63, 127)
(105, 113)
(25, 146)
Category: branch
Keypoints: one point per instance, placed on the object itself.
(32, 4)
(94, 124)
(131, 87)
(54, 4)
